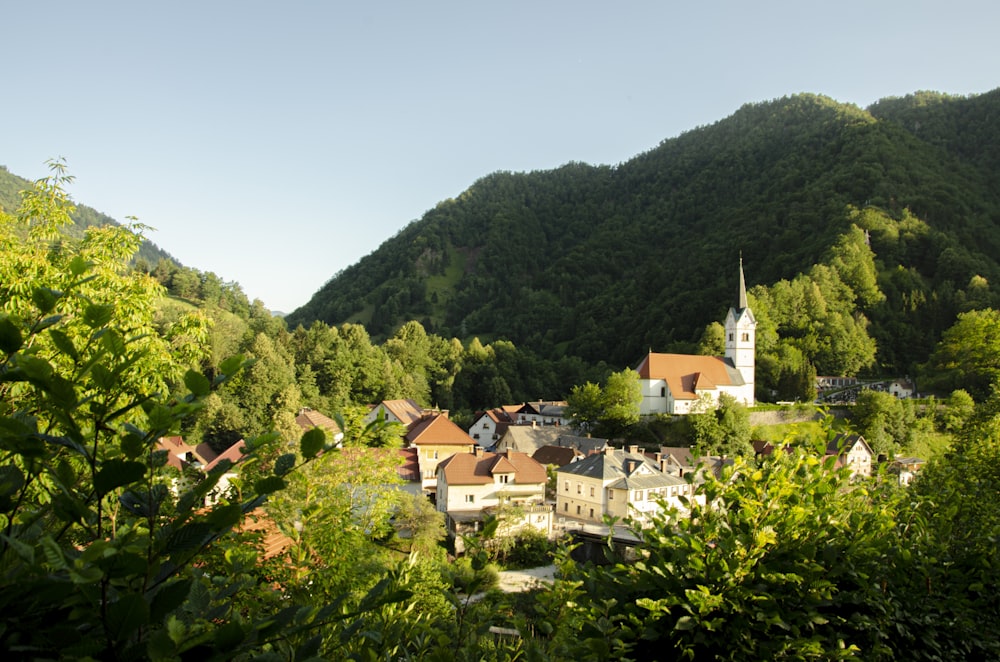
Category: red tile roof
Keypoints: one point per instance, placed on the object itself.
(686, 373)
(437, 429)
(473, 469)
(308, 419)
(407, 411)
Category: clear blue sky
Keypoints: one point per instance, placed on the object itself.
(276, 143)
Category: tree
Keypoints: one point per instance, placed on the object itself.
(585, 406)
(883, 420)
(620, 401)
(722, 429)
(97, 554)
(968, 355)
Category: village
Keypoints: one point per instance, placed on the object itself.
(531, 466)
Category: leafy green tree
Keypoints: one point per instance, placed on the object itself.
(968, 356)
(883, 420)
(723, 429)
(957, 411)
(713, 340)
(97, 553)
(585, 406)
(620, 400)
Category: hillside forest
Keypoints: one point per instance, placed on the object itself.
(869, 236)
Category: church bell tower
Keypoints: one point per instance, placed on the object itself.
(741, 329)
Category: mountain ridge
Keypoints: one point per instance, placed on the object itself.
(603, 262)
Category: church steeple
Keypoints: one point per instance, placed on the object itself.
(741, 299)
(741, 331)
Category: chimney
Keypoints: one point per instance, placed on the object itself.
(609, 451)
(634, 449)
(477, 451)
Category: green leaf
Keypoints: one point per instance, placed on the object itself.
(10, 335)
(197, 383)
(11, 479)
(168, 598)
(64, 343)
(45, 299)
(225, 517)
(53, 554)
(96, 316)
(269, 485)
(685, 623)
(232, 365)
(312, 443)
(116, 473)
(284, 464)
(229, 636)
(127, 614)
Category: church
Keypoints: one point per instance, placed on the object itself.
(676, 383)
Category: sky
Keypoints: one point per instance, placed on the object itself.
(276, 143)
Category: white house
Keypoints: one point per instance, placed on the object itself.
(617, 482)
(677, 383)
(852, 451)
(472, 485)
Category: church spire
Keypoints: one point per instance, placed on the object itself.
(741, 301)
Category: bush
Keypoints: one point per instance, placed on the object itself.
(466, 579)
(531, 549)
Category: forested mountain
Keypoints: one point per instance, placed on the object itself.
(84, 217)
(606, 262)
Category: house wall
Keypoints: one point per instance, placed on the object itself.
(654, 397)
(580, 497)
(859, 460)
(429, 456)
(483, 431)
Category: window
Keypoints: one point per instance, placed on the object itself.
(579, 488)
(663, 391)
(746, 337)
(637, 496)
(578, 510)
(503, 478)
(591, 490)
(566, 486)
(730, 337)
(470, 498)
(611, 494)
(565, 507)
(591, 513)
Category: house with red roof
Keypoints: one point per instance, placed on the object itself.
(682, 383)
(203, 459)
(307, 419)
(471, 486)
(436, 438)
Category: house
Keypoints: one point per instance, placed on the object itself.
(396, 411)
(677, 383)
(618, 483)
(529, 438)
(851, 450)
(203, 459)
(545, 412)
(307, 419)
(488, 426)
(436, 438)
(902, 388)
(906, 468)
(471, 486)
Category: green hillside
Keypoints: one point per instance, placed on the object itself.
(84, 217)
(606, 262)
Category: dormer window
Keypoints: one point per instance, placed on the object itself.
(504, 478)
